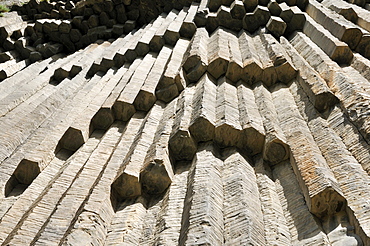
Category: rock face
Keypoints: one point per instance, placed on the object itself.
(185, 123)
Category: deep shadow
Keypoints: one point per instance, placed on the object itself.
(296, 204)
(22, 177)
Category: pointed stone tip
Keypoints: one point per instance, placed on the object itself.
(327, 202)
(154, 178)
(72, 139)
(127, 186)
(276, 152)
(182, 146)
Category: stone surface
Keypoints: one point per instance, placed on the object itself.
(211, 122)
(196, 59)
(276, 26)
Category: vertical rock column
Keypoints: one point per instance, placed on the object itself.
(252, 66)
(202, 221)
(124, 106)
(298, 217)
(146, 96)
(168, 225)
(203, 117)
(127, 183)
(227, 128)
(182, 145)
(253, 135)
(275, 224)
(196, 59)
(320, 188)
(275, 148)
(218, 53)
(284, 68)
(157, 171)
(170, 84)
(93, 223)
(243, 218)
(349, 173)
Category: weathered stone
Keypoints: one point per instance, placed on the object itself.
(80, 130)
(315, 87)
(103, 119)
(142, 47)
(127, 183)
(286, 12)
(275, 224)
(250, 120)
(314, 56)
(364, 45)
(201, 17)
(107, 111)
(146, 97)
(218, 53)
(188, 26)
(172, 34)
(129, 26)
(259, 17)
(158, 40)
(225, 19)
(227, 125)
(205, 167)
(127, 51)
(86, 182)
(124, 106)
(5, 56)
(117, 30)
(235, 69)
(35, 56)
(297, 21)
(360, 63)
(157, 172)
(65, 27)
(274, 8)
(250, 5)
(99, 201)
(342, 8)
(275, 148)
(269, 74)
(240, 182)
(212, 22)
(40, 213)
(196, 58)
(334, 151)
(276, 26)
(203, 117)
(230, 136)
(284, 68)
(341, 124)
(363, 17)
(7, 30)
(335, 49)
(170, 85)
(252, 67)
(341, 28)
(181, 143)
(237, 10)
(8, 44)
(321, 190)
(296, 212)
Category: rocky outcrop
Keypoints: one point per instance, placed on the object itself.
(185, 123)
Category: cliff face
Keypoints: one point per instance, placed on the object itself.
(185, 123)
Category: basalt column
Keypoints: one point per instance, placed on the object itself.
(209, 122)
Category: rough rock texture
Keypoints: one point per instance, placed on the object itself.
(207, 122)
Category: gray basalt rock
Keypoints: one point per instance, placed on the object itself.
(276, 26)
(208, 122)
